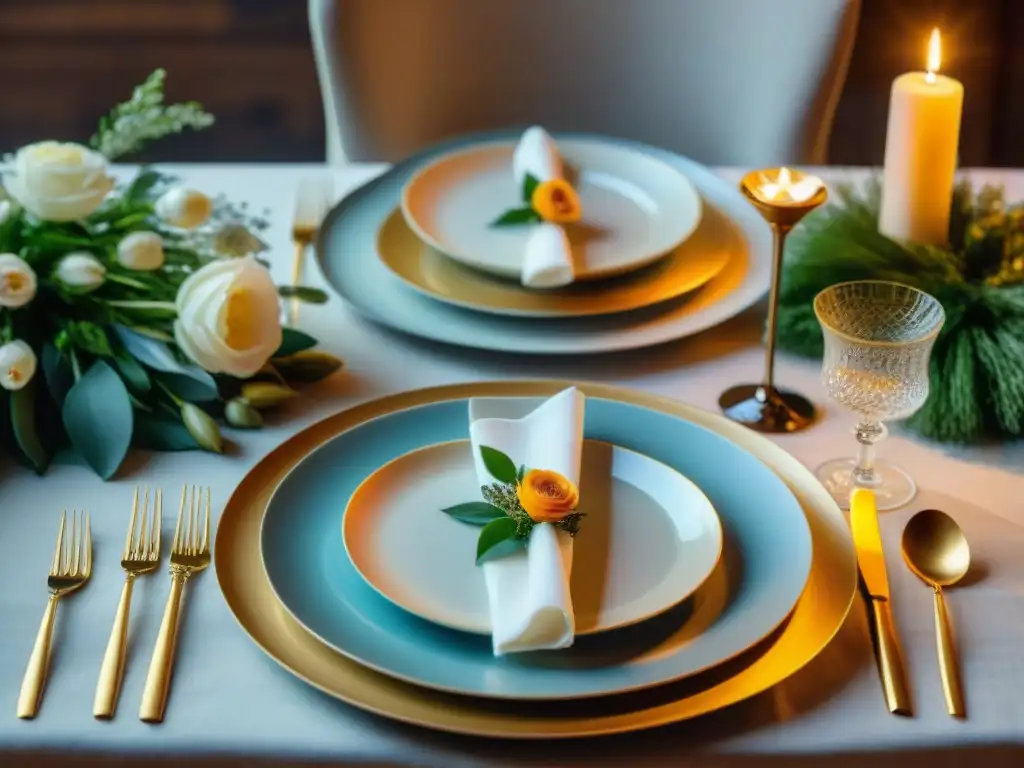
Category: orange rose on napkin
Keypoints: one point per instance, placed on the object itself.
(547, 496)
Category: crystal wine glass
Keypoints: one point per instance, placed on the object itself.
(878, 339)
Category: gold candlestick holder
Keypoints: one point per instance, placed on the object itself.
(783, 197)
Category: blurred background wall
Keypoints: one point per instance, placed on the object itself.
(65, 62)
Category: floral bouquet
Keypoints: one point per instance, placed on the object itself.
(144, 307)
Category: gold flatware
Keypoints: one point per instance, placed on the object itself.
(311, 202)
(71, 568)
(936, 550)
(190, 553)
(867, 539)
(141, 555)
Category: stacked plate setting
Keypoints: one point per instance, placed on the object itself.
(664, 249)
(711, 566)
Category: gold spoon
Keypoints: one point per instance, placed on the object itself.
(936, 550)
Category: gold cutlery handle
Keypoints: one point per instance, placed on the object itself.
(112, 668)
(947, 658)
(35, 674)
(158, 681)
(293, 303)
(890, 664)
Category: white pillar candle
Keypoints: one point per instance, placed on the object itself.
(921, 154)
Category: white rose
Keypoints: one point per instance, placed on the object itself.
(228, 318)
(80, 270)
(183, 208)
(17, 281)
(17, 364)
(59, 182)
(141, 251)
(5, 211)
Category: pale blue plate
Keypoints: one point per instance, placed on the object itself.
(765, 565)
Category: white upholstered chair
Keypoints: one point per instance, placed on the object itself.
(726, 82)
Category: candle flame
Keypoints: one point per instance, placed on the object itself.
(784, 189)
(934, 53)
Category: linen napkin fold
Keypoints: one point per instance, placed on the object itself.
(528, 590)
(547, 256)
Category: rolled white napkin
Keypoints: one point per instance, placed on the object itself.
(547, 257)
(528, 591)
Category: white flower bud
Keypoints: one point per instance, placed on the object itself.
(80, 270)
(142, 251)
(17, 281)
(5, 211)
(185, 208)
(17, 364)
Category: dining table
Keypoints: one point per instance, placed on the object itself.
(232, 705)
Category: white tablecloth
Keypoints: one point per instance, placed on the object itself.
(231, 703)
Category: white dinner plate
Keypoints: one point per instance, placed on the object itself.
(347, 252)
(635, 208)
(649, 540)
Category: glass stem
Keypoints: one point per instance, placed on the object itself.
(779, 233)
(867, 432)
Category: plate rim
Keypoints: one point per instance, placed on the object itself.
(540, 313)
(513, 696)
(751, 287)
(718, 533)
(650, 255)
(316, 665)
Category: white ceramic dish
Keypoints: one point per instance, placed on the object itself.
(650, 538)
(635, 208)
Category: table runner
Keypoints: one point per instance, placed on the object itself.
(231, 705)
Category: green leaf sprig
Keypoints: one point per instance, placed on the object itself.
(506, 526)
(524, 215)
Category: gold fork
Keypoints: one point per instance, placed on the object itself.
(141, 555)
(72, 566)
(190, 553)
(311, 202)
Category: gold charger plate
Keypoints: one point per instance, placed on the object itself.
(686, 268)
(818, 614)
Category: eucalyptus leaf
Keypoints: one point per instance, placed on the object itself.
(475, 512)
(134, 375)
(293, 341)
(303, 293)
(497, 539)
(194, 389)
(162, 435)
(57, 372)
(499, 465)
(26, 433)
(99, 419)
(157, 355)
(516, 216)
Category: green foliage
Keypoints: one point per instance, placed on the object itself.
(99, 419)
(145, 118)
(976, 378)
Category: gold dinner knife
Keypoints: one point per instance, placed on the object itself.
(867, 539)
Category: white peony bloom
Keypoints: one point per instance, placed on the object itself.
(228, 318)
(80, 270)
(17, 281)
(59, 182)
(17, 364)
(183, 208)
(5, 211)
(142, 251)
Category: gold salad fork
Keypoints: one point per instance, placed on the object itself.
(141, 555)
(190, 553)
(72, 565)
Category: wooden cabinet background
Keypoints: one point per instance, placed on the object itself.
(64, 62)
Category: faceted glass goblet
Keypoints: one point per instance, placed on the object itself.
(878, 340)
